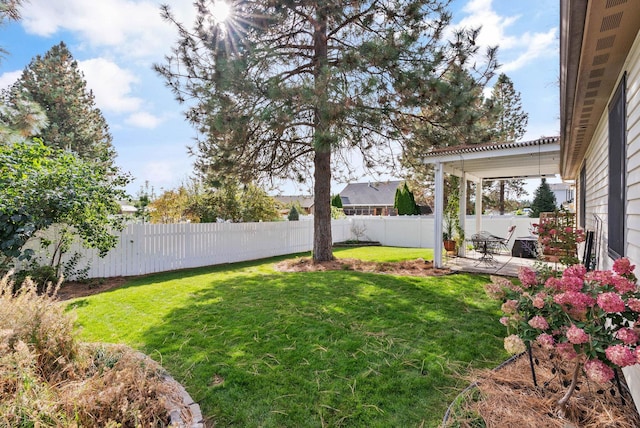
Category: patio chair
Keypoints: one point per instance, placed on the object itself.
(503, 243)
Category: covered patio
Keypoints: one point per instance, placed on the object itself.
(476, 163)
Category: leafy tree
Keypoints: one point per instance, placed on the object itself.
(404, 201)
(172, 206)
(74, 122)
(235, 202)
(336, 201)
(510, 125)
(41, 185)
(284, 87)
(544, 200)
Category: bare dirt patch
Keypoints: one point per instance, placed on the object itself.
(418, 267)
(73, 289)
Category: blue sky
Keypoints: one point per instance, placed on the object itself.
(116, 42)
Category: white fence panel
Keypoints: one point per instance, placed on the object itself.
(150, 248)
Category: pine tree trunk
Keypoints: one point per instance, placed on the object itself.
(501, 197)
(322, 241)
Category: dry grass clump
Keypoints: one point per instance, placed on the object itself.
(508, 398)
(49, 379)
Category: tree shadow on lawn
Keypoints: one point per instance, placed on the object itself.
(328, 348)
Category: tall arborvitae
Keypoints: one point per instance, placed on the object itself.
(74, 122)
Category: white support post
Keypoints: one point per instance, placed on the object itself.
(479, 206)
(438, 215)
(462, 251)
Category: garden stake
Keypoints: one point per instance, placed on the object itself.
(615, 372)
(533, 370)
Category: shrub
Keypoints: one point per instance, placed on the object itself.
(586, 318)
(48, 378)
(293, 214)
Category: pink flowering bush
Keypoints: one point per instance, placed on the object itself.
(578, 316)
(558, 237)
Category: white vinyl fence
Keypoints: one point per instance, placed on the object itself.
(149, 248)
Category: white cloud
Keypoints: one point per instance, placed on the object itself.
(111, 85)
(538, 45)
(131, 28)
(518, 48)
(9, 78)
(144, 120)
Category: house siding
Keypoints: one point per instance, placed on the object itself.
(597, 161)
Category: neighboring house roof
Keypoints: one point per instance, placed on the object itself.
(380, 194)
(595, 38)
(304, 201)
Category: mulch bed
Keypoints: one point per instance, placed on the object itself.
(507, 397)
(418, 267)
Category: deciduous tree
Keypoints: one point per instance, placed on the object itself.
(41, 185)
(287, 87)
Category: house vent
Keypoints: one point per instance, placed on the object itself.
(598, 72)
(614, 3)
(600, 59)
(605, 42)
(611, 22)
(587, 109)
(594, 84)
(591, 94)
(585, 115)
(589, 102)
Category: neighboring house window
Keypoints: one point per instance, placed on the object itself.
(583, 197)
(617, 170)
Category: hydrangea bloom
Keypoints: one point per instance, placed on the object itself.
(571, 283)
(610, 302)
(576, 335)
(514, 345)
(628, 336)
(510, 307)
(623, 266)
(546, 341)
(623, 285)
(634, 304)
(576, 299)
(578, 271)
(598, 371)
(620, 355)
(538, 300)
(527, 276)
(566, 351)
(539, 322)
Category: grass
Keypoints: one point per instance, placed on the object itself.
(256, 347)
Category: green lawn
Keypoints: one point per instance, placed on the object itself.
(260, 348)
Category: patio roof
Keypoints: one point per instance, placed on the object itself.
(526, 159)
(503, 161)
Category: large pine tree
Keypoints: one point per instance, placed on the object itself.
(74, 122)
(283, 88)
(510, 125)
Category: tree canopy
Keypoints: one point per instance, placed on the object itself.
(41, 185)
(283, 88)
(54, 82)
(404, 201)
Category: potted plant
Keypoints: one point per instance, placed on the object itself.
(447, 233)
